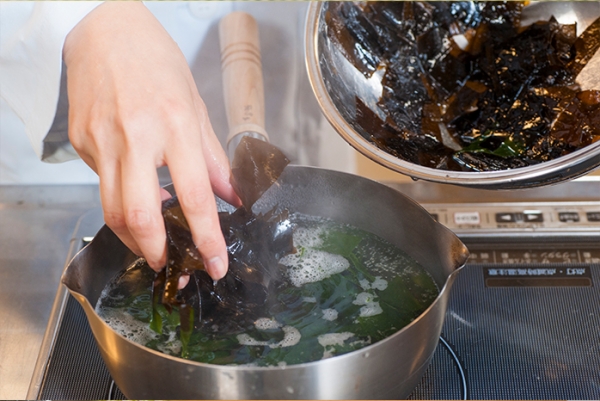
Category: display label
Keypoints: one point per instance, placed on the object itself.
(467, 218)
(538, 276)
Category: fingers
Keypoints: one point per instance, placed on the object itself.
(142, 207)
(112, 205)
(217, 162)
(219, 172)
(191, 179)
(131, 201)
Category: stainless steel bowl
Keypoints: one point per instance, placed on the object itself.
(336, 83)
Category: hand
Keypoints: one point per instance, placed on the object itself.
(134, 107)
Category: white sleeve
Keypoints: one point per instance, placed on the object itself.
(31, 42)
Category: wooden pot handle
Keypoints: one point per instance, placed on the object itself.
(243, 86)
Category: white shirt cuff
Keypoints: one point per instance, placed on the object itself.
(31, 66)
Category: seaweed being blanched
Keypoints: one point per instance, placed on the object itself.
(342, 283)
(255, 243)
(465, 86)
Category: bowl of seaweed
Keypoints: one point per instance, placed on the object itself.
(496, 95)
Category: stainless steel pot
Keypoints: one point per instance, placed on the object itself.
(390, 368)
(336, 83)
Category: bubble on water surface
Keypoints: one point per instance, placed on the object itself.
(266, 324)
(330, 314)
(127, 325)
(363, 298)
(312, 266)
(370, 309)
(308, 237)
(291, 337)
(379, 284)
(330, 340)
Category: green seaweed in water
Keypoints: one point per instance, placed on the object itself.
(343, 290)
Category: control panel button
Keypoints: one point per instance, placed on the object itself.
(505, 218)
(568, 217)
(525, 217)
(533, 217)
(593, 216)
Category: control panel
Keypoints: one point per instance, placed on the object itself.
(532, 255)
(479, 218)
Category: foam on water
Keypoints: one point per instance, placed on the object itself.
(308, 237)
(311, 266)
(245, 339)
(377, 284)
(330, 340)
(363, 298)
(291, 335)
(371, 307)
(364, 284)
(126, 325)
(171, 347)
(334, 338)
(264, 323)
(330, 314)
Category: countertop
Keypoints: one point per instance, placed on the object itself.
(36, 227)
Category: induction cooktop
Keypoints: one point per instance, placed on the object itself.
(523, 319)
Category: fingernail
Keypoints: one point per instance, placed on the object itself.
(183, 281)
(216, 268)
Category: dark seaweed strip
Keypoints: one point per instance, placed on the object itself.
(255, 168)
(586, 45)
(579, 121)
(255, 243)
